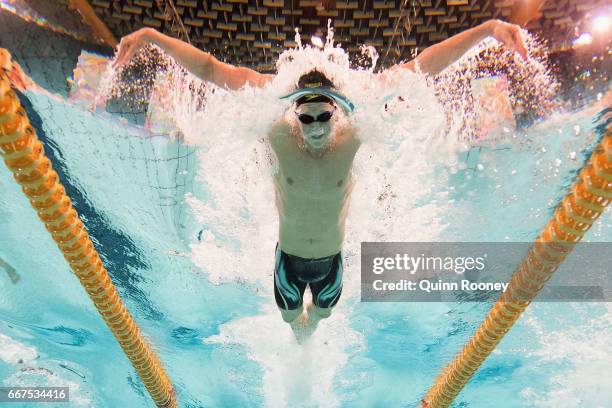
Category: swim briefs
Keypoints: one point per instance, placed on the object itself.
(292, 274)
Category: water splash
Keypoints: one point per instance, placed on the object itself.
(532, 86)
(582, 351)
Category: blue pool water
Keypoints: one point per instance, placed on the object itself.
(556, 355)
(129, 188)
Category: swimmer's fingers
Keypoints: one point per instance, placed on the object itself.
(519, 44)
(128, 46)
(127, 50)
(515, 42)
(122, 50)
(510, 36)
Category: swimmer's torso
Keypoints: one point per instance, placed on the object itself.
(312, 193)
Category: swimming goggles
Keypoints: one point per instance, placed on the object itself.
(308, 119)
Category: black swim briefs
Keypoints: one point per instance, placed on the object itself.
(292, 274)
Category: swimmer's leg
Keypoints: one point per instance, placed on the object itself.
(306, 325)
(288, 290)
(291, 315)
(326, 292)
(325, 295)
(315, 313)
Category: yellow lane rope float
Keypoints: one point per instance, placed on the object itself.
(575, 214)
(25, 157)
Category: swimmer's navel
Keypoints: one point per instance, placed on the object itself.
(289, 180)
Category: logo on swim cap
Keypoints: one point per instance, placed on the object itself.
(309, 97)
(313, 98)
(320, 94)
(313, 85)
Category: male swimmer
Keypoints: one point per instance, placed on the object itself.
(315, 154)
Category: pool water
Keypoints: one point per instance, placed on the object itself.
(222, 340)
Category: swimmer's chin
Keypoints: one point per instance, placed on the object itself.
(317, 139)
(315, 136)
(317, 146)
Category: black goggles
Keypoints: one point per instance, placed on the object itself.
(308, 119)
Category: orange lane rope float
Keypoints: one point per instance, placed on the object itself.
(575, 214)
(25, 157)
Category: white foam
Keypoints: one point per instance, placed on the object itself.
(583, 352)
(42, 377)
(294, 375)
(13, 352)
(30, 373)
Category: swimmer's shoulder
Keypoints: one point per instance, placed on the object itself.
(347, 135)
(279, 131)
(280, 126)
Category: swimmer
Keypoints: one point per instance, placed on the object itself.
(315, 146)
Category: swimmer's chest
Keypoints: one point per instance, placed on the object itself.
(299, 171)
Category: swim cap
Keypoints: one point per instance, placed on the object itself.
(324, 93)
(313, 98)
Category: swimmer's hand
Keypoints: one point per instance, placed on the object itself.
(509, 35)
(130, 45)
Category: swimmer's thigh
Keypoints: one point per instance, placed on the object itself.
(326, 292)
(288, 290)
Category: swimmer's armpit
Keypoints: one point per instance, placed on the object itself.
(12, 273)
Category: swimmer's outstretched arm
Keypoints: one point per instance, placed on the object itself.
(436, 58)
(196, 61)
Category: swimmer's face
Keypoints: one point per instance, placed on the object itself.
(317, 135)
